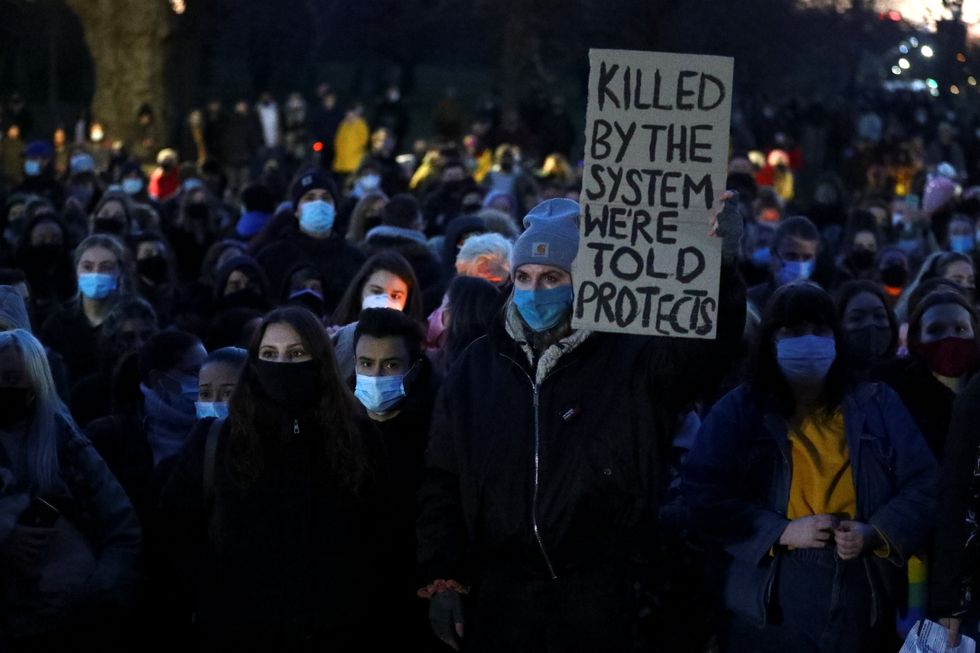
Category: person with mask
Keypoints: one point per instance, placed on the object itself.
(217, 380)
(397, 386)
(274, 519)
(258, 205)
(443, 203)
(134, 183)
(73, 331)
(942, 344)
(893, 270)
(70, 543)
(869, 325)
(126, 329)
(954, 573)
(311, 239)
(386, 280)
(198, 222)
(39, 175)
(960, 235)
(401, 231)
(241, 283)
(541, 481)
(861, 244)
(304, 287)
(811, 490)
(156, 274)
(84, 185)
(170, 362)
(44, 256)
(795, 246)
(758, 252)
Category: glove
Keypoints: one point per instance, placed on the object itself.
(446, 617)
(728, 227)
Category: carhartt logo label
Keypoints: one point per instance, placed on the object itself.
(539, 250)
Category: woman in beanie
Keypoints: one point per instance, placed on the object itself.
(544, 460)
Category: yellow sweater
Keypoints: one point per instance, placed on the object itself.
(822, 483)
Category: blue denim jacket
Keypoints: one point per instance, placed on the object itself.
(736, 482)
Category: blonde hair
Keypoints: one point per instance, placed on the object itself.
(49, 413)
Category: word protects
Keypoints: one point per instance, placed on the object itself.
(634, 259)
(655, 161)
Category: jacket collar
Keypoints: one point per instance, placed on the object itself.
(397, 233)
(516, 330)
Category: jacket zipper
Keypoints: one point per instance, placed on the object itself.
(535, 389)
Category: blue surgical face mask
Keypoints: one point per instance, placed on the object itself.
(761, 256)
(32, 167)
(132, 185)
(379, 394)
(794, 271)
(961, 244)
(96, 285)
(805, 359)
(316, 217)
(218, 409)
(544, 309)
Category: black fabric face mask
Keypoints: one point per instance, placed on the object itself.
(293, 386)
(16, 405)
(894, 276)
(153, 268)
(868, 345)
(109, 226)
(245, 298)
(862, 259)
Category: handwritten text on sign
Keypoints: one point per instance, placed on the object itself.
(656, 153)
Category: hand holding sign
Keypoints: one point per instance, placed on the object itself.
(656, 151)
(727, 225)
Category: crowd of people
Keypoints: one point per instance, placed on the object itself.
(257, 399)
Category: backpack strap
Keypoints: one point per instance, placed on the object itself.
(211, 460)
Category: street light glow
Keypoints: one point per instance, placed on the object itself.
(954, 89)
(896, 70)
(904, 64)
(904, 49)
(971, 80)
(926, 51)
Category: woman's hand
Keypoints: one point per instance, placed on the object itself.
(726, 224)
(811, 532)
(952, 626)
(854, 538)
(25, 544)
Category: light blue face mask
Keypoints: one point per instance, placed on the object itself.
(544, 309)
(379, 394)
(316, 217)
(32, 167)
(908, 245)
(96, 285)
(132, 185)
(217, 409)
(794, 271)
(961, 244)
(805, 359)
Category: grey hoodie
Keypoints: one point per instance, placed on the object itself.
(13, 312)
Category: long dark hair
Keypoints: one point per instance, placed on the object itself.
(795, 305)
(350, 305)
(254, 417)
(473, 303)
(852, 289)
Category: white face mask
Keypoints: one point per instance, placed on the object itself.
(380, 301)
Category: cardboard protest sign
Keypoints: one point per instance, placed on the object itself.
(656, 154)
